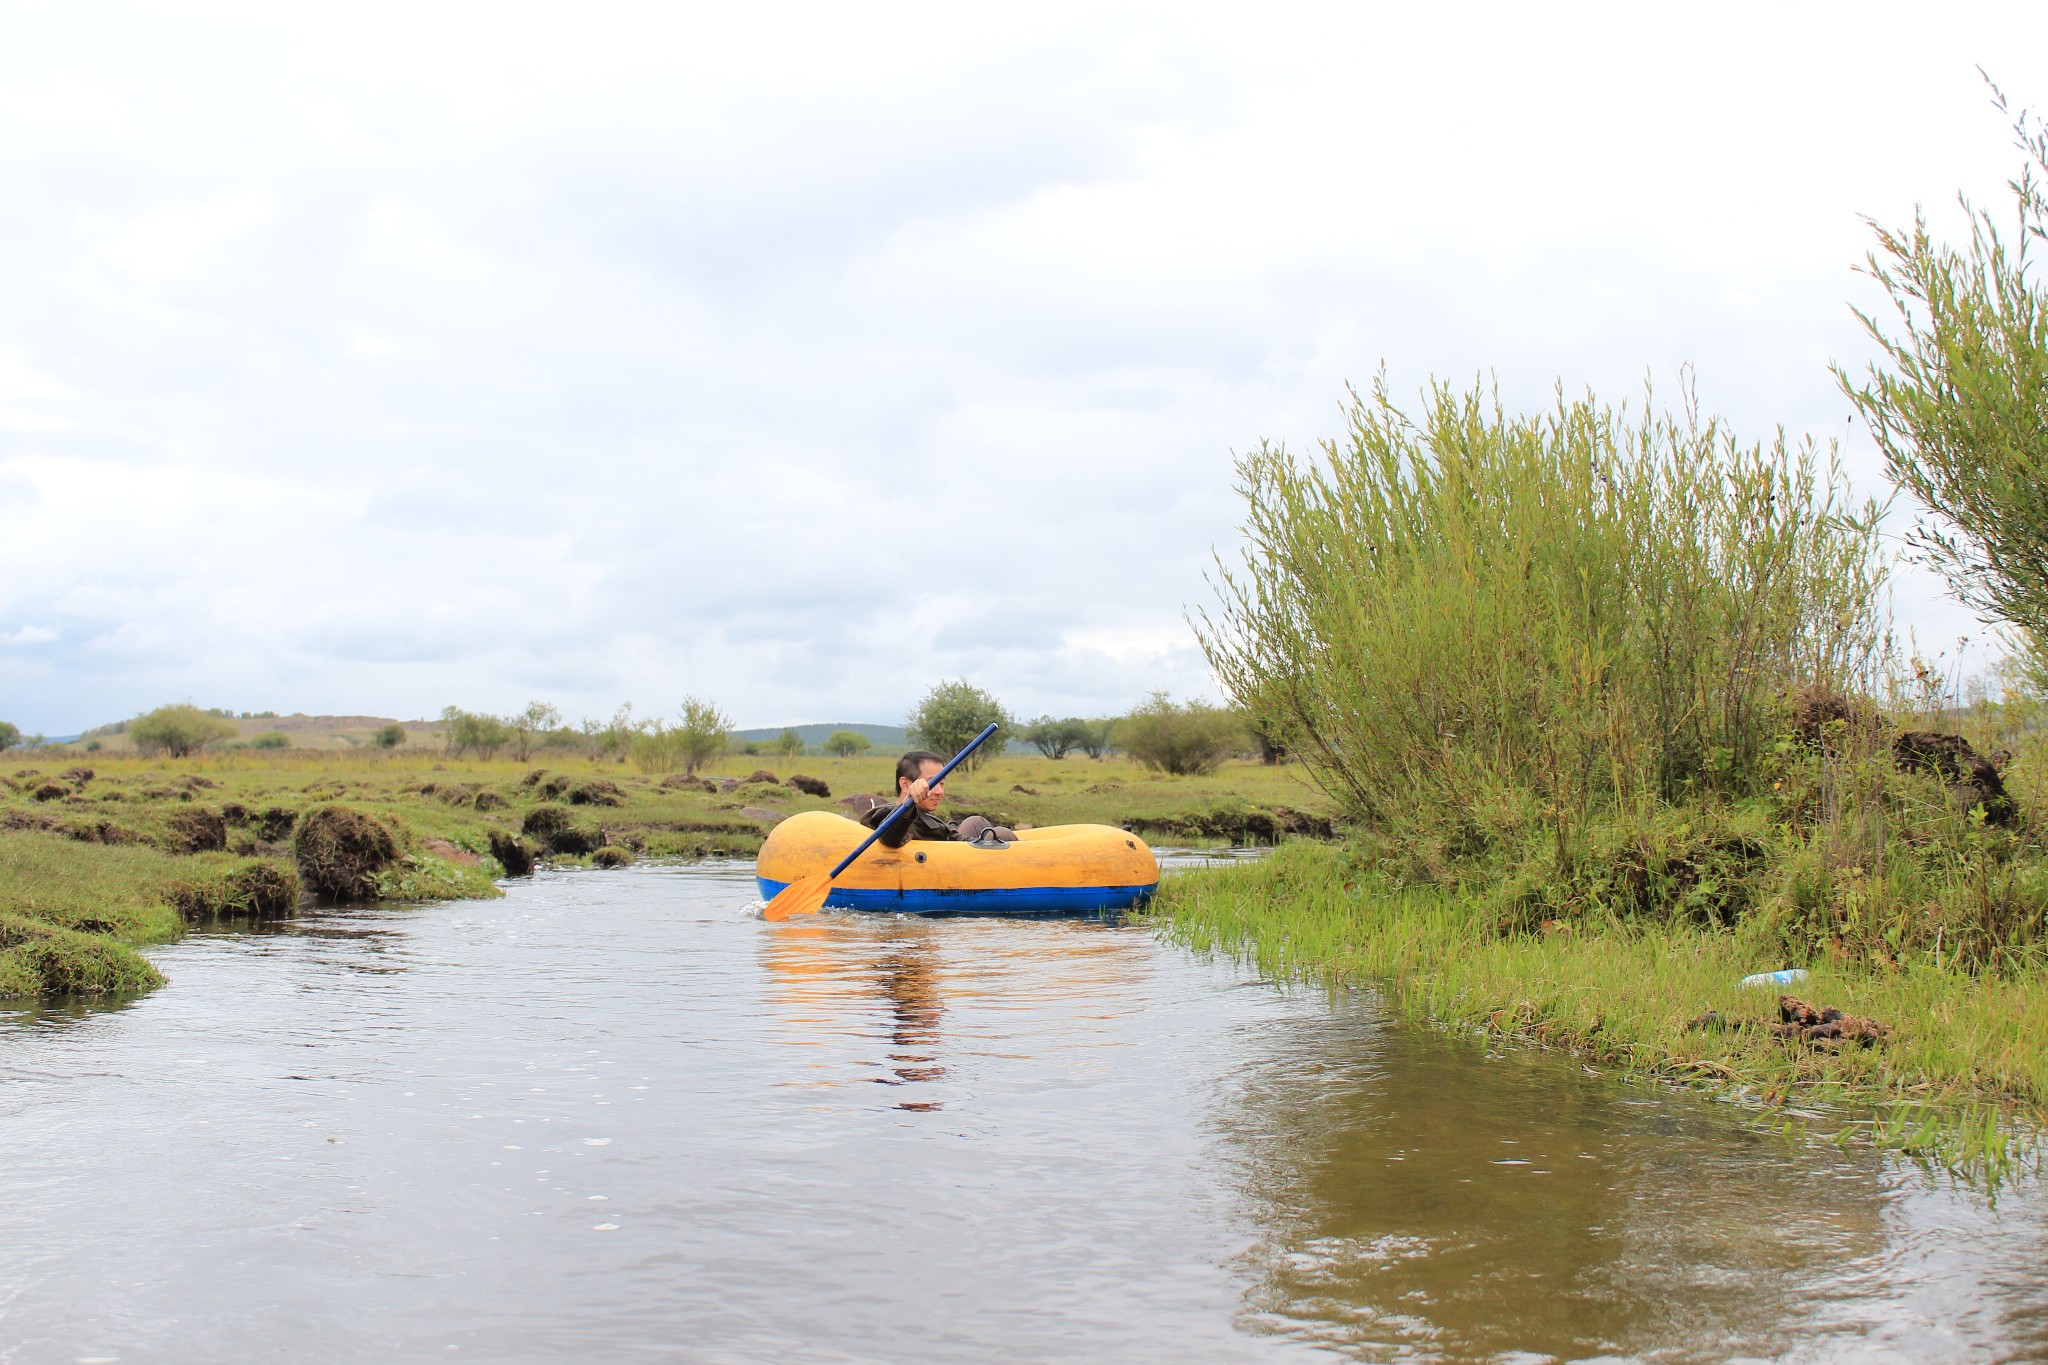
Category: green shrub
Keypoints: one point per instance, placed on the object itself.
(1959, 405)
(10, 735)
(271, 739)
(1057, 738)
(951, 715)
(1097, 737)
(178, 731)
(1559, 613)
(1187, 738)
(704, 732)
(390, 737)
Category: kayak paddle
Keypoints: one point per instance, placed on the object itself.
(806, 895)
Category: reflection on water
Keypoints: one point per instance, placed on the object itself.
(614, 1117)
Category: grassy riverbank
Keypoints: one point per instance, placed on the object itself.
(104, 853)
(1614, 715)
(1965, 1051)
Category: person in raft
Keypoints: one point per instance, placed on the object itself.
(914, 772)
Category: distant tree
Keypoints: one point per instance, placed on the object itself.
(847, 743)
(1098, 737)
(953, 713)
(789, 744)
(451, 721)
(536, 719)
(271, 739)
(1190, 738)
(1263, 737)
(615, 741)
(10, 735)
(390, 737)
(471, 731)
(657, 748)
(1056, 738)
(179, 731)
(704, 733)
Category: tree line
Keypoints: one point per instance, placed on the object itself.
(1189, 737)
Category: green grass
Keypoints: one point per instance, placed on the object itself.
(1962, 1080)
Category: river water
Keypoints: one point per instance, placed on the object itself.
(615, 1117)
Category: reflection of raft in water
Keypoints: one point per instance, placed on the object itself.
(1060, 870)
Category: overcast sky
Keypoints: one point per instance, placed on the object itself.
(374, 358)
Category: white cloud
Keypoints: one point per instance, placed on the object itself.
(380, 358)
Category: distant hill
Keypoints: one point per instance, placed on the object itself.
(881, 736)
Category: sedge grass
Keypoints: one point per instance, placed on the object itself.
(1962, 1080)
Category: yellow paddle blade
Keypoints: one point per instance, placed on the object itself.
(803, 897)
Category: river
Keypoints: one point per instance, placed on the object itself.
(615, 1116)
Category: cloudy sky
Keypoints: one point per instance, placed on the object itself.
(372, 358)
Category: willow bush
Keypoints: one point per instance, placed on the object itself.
(1465, 618)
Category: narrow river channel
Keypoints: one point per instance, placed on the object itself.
(615, 1117)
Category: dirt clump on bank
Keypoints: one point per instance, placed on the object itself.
(1246, 825)
(274, 825)
(1973, 780)
(513, 853)
(1829, 721)
(196, 829)
(340, 852)
(809, 786)
(555, 830)
(261, 886)
(597, 791)
(685, 782)
(44, 959)
(611, 855)
(1799, 1022)
(451, 853)
(97, 829)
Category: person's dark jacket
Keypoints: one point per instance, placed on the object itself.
(918, 824)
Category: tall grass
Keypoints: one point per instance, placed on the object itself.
(1465, 617)
(1964, 1062)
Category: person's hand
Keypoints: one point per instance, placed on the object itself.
(923, 795)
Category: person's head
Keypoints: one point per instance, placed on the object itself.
(913, 765)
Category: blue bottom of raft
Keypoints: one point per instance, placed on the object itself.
(1020, 902)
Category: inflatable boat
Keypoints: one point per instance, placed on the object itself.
(1059, 870)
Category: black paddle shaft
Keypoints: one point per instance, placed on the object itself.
(897, 814)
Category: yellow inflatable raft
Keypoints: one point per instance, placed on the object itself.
(1060, 870)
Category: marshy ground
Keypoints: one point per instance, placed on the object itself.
(106, 852)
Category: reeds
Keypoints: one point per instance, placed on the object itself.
(1469, 615)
